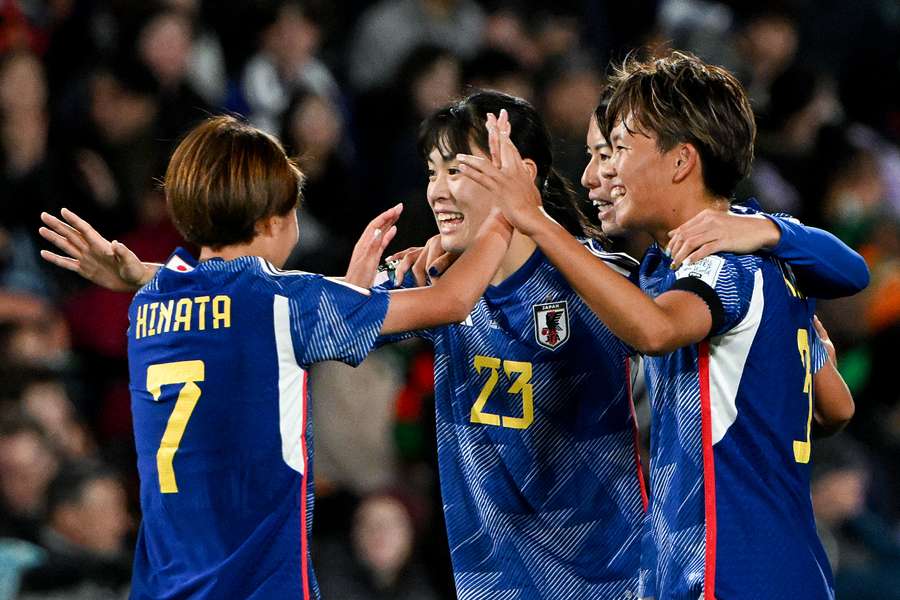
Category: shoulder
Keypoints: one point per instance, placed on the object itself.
(716, 270)
(619, 261)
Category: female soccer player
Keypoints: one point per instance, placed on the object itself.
(731, 380)
(217, 351)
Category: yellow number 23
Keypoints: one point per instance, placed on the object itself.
(521, 386)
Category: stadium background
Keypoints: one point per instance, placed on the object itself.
(94, 95)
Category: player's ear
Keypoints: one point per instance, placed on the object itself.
(686, 160)
(531, 167)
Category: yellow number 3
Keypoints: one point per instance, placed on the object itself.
(802, 447)
(188, 372)
(521, 386)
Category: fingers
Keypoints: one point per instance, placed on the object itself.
(438, 266)
(397, 256)
(478, 170)
(386, 239)
(64, 230)
(698, 254)
(131, 269)
(65, 262)
(83, 227)
(403, 265)
(509, 154)
(820, 329)
(493, 140)
(683, 248)
(60, 242)
(418, 270)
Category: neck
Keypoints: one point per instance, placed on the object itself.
(237, 251)
(682, 212)
(521, 247)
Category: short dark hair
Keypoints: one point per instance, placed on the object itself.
(224, 177)
(454, 128)
(682, 99)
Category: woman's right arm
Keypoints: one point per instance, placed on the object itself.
(108, 264)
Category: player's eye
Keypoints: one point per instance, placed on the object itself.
(431, 174)
(453, 170)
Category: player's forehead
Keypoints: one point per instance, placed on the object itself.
(629, 127)
(594, 137)
(443, 154)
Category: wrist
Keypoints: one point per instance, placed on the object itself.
(771, 233)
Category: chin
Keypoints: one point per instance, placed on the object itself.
(453, 243)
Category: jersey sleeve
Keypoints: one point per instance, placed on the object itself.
(825, 266)
(386, 284)
(332, 320)
(724, 282)
(818, 351)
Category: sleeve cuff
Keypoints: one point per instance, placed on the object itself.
(708, 295)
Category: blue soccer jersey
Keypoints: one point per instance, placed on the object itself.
(537, 444)
(730, 514)
(217, 353)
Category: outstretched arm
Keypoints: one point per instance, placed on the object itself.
(834, 405)
(108, 264)
(825, 267)
(454, 295)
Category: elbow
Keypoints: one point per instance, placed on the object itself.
(837, 418)
(857, 277)
(654, 341)
(457, 309)
(863, 277)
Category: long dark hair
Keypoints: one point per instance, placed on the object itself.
(454, 127)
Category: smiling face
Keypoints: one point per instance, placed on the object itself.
(599, 152)
(640, 178)
(460, 206)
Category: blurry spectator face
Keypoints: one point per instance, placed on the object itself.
(383, 534)
(48, 404)
(39, 342)
(22, 84)
(437, 85)
(24, 141)
(165, 46)
(292, 40)
(770, 44)
(98, 520)
(316, 125)
(27, 466)
(569, 98)
(118, 113)
(839, 495)
(599, 152)
(458, 203)
(857, 191)
(558, 35)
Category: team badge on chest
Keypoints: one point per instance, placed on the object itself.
(551, 324)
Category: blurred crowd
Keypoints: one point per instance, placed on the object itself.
(94, 95)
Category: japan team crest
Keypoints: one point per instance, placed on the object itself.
(551, 324)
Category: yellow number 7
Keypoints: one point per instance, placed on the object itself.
(188, 372)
